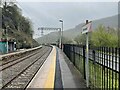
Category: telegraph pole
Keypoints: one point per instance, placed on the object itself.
(6, 29)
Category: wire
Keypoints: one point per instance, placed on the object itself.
(25, 10)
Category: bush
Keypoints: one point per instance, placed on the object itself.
(104, 37)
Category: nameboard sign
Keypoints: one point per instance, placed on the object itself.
(87, 28)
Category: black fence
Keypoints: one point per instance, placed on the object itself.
(103, 64)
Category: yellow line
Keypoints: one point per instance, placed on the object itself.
(51, 74)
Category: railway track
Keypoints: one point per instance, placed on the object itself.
(17, 57)
(20, 74)
(10, 63)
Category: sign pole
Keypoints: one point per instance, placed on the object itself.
(85, 30)
(87, 60)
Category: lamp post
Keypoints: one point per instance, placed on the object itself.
(61, 21)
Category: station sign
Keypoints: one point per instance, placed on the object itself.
(87, 28)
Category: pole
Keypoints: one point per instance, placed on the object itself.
(6, 30)
(42, 35)
(7, 40)
(86, 29)
(62, 36)
(87, 60)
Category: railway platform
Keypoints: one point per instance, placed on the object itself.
(41, 67)
(57, 72)
(9, 55)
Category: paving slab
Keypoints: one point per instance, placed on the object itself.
(71, 77)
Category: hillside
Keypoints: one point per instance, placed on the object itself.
(72, 33)
(16, 27)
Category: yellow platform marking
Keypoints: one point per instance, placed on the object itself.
(49, 83)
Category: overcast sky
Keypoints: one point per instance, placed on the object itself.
(72, 13)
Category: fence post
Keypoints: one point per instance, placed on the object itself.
(69, 50)
(119, 66)
(84, 62)
(64, 48)
(93, 56)
(74, 55)
(94, 68)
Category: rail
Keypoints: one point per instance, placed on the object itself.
(5, 56)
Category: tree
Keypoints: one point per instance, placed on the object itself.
(20, 27)
(66, 40)
(103, 37)
(80, 39)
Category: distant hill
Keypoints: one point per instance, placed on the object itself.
(72, 33)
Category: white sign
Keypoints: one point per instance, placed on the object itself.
(86, 28)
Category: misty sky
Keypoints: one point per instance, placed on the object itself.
(72, 13)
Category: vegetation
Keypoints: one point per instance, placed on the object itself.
(100, 37)
(104, 37)
(16, 26)
(99, 76)
(66, 40)
(80, 39)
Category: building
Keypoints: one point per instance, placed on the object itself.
(3, 46)
(6, 46)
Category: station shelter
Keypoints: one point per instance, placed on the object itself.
(3, 46)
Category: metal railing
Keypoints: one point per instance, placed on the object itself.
(103, 64)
